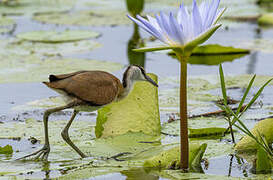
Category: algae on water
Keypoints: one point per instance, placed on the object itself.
(6, 149)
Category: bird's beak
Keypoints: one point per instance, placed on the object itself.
(151, 81)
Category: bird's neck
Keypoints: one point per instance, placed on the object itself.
(127, 84)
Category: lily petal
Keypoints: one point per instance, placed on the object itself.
(197, 21)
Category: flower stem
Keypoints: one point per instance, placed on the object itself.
(184, 140)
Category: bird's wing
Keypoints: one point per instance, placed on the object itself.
(95, 87)
(63, 76)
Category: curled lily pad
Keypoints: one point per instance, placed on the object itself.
(6, 149)
(265, 128)
(139, 112)
(171, 157)
(57, 37)
(263, 162)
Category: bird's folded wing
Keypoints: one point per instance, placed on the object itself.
(95, 87)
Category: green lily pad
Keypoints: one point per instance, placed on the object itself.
(57, 37)
(214, 54)
(265, 127)
(266, 19)
(203, 132)
(263, 162)
(139, 112)
(85, 18)
(30, 68)
(216, 49)
(6, 149)
(171, 157)
(214, 59)
(21, 47)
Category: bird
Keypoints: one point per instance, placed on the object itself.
(87, 91)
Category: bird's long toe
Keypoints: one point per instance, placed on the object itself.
(43, 153)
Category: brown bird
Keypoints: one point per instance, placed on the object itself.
(87, 91)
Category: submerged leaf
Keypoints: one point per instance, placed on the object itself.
(139, 112)
(6, 149)
(57, 37)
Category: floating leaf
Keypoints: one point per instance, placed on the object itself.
(214, 59)
(57, 37)
(6, 149)
(265, 127)
(30, 7)
(171, 157)
(214, 54)
(139, 112)
(216, 49)
(203, 132)
(85, 18)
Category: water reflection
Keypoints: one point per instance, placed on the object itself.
(137, 58)
(253, 57)
(135, 7)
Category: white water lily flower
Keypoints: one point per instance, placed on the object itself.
(187, 29)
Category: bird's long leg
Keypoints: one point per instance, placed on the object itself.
(44, 152)
(66, 137)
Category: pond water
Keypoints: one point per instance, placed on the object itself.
(24, 64)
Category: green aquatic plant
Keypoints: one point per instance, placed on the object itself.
(231, 116)
(182, 35)
(264, 153)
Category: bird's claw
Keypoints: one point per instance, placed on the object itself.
(44, 152)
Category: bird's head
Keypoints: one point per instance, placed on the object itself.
(136, 73)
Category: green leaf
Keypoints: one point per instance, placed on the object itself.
(201, 38)
(150, 49)
(266, 19)
(256, 96)
(139, 112)
(213, 59)
(216, 49)
(202, 132)
(223, 86)
(263, 163)
(248, 143)
(6, 149)
(171, 157)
